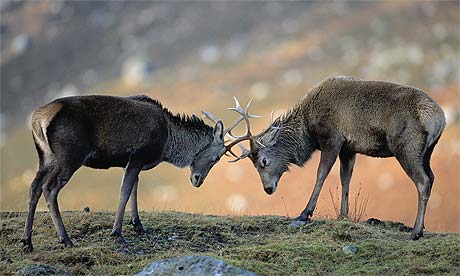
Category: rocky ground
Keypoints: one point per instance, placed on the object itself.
(264, 245)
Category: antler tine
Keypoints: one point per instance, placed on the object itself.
(271, 116)
(210, 116)
(245, 153)
(234, 124)
(247, 110)
(234, 142)
(231, 153)
(272, 121)
(245, 116)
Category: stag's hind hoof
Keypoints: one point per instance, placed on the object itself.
(66, 242)
(138, 227)
(120, 240)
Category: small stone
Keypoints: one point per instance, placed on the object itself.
(86, 210)
(350, 249)
(297, 223)
(172, 238)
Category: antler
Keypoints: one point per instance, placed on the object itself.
(236, 139)
(245, 115)
(245, 153)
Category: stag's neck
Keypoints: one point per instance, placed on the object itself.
(294, 137)
(187, 136)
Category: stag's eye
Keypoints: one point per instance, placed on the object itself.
(264, 162)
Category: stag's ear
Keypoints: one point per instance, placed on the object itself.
(219, 132)
(271, 137)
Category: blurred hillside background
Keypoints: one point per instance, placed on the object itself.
(195, 56)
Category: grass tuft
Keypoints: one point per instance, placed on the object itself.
(263, 244)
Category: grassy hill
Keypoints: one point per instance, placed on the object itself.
(262, 244)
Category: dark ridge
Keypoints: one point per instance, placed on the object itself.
(181, 119)
(187, 121)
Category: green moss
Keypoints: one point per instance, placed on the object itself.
(263, 244)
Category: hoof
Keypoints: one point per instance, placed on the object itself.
(120, 240)
(27, 246)
(67, 242)
(138, 227)
(118, 237)
(297, 223)
(415, 236)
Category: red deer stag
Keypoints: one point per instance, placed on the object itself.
(135, 133)
(343, 116)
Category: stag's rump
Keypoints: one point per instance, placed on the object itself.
(374, 118)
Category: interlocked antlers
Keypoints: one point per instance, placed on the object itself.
(236, 139)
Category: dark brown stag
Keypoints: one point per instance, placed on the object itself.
(135, 133)
(343, 116)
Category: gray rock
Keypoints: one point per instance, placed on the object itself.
(350, 249)
(297, 223)
(40, 269)
(192, 265)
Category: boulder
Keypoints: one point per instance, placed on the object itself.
(192, 265)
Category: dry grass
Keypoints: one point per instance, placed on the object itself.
(263, 244)
(357, 211)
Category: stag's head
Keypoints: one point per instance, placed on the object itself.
(211, 153)
(265, 152)
(208, 156)
(268, 158)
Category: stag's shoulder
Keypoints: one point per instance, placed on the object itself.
(325, 86)
(333, 82)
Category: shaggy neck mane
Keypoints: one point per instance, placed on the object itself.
(294, 141)
(187, 136)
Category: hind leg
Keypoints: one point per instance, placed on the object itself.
(135, 220)
(427, 159)
(423, 185)
(51, 189)
(413, 165)
(34, 195)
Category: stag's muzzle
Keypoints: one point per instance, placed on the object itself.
(196, 180)
(271, 187)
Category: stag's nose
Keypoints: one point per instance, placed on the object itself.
(269, 190)
(195, 179)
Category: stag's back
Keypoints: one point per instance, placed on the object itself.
(368, 113)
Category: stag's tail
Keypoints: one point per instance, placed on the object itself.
(433, 119)
(41, 119)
